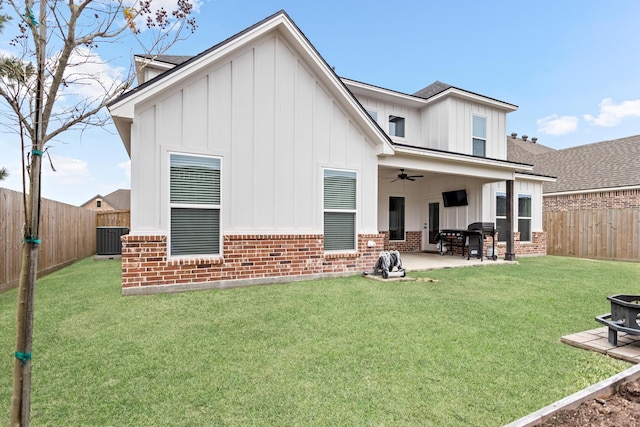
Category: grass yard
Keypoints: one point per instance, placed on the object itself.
(480, 347)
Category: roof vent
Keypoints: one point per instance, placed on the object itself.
(524, 137)
(514, 135)
(534, 139)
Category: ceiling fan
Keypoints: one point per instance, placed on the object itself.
(402, 176)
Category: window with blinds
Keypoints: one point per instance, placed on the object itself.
(339, 210)
(194, 183)
(524, 217)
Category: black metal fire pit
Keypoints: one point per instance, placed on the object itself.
(624, 316)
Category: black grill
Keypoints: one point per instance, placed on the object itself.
(469, 240)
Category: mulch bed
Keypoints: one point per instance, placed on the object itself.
(620, 409)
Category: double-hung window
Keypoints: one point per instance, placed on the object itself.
(524, 217)
(479, 136)
(194, 199)
(501, 216)
(339, 210)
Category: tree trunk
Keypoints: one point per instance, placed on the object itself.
(21, 399)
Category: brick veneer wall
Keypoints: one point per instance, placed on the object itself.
(537, 245)
(411, 243)
(617, 199)
(250, 259)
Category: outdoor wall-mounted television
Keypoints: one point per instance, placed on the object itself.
(455, 198)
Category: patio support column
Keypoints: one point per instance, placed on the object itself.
(509, 254)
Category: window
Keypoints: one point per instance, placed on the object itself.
(396, 126)
(524, 217)
(194, 199)
(339, 210)
(479, 136)
(396, 218)
(373, 114)
(98, 203)
(501, 216)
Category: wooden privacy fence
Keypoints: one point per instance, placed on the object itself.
(114, 219)
(68, 233)
(609, 233)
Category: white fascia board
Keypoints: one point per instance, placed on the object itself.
(120, 108)
(471, 160)
(540, 178)
(429, 164)
(591, 190)
(143, 63)
(472, 97)
(376, 92)
(290, 32)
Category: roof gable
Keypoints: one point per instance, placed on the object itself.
(122, 109)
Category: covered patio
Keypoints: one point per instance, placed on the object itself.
(421, 261)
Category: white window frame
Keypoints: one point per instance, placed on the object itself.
(353, 211)
(528, 218)
(475, 137)
(193, 206)
(501, 238)
(395, 119)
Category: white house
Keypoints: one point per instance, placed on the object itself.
(254, 161)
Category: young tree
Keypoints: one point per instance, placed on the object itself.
(53, 83)
(3, 173)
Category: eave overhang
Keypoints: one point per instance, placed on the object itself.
(446, 162)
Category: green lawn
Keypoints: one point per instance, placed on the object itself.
(480, 347)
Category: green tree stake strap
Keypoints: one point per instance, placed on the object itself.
(33, 240)
(23, 356)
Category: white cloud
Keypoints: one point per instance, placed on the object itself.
(68, 170)
(612, 114)
(557, 125)
(89, 76)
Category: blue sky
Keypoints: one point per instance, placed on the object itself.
(571, 67)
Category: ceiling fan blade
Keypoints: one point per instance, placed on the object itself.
(410, 179)
(395, 180)
(416, 176)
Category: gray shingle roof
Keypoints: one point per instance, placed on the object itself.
(169, 59)
(119, 199)
(433, 89)
(606, 164)
(522, 151)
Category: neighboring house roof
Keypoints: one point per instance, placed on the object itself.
(597, 166)
(119, 199)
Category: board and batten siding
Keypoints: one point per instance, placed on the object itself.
(520, 186)
(447, 125)
(273, 123)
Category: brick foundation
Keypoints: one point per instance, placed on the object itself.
(246, 259)
(412, 242)
(537, 245)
